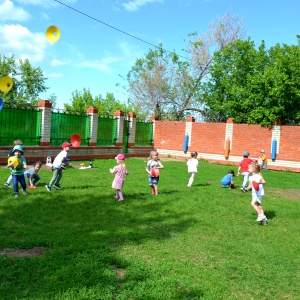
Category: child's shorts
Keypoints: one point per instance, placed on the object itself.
(153, 180)
(257, 199)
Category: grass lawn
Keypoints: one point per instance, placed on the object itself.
(201, 242)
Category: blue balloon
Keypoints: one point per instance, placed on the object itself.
(1, 104)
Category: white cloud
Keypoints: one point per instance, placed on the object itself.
(102, 65)
(136, 4)
(58, 62)
(9, 12)
(53, 75)
(45, 3)
(18, 40)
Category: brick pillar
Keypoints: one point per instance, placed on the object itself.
(132, 128)
(46, 107)
(93, 112)
(276, 130)
(119, 115)
(188, 128)
(228, 132)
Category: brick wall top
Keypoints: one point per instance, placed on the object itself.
(131, 115)
(229, 120)
(92, 110)
(190, 119)
(45, 103)
(119, 113)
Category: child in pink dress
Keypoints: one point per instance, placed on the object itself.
(120, 171)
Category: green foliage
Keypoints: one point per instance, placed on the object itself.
(254, 86)
(28, 82)
(186, 243)
(81, 101)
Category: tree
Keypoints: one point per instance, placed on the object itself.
(255, 86)
(28, 82)
(161, 80)
(53, 99)
(81, 101)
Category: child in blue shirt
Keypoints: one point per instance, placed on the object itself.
(227, 180)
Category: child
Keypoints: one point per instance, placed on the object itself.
(264, 160)
(120, 171)
(153, 163)
(244, 168)
(57, 167)
(31, 174)
(192, 164)
(257, 194)
(227, 180)
(16, 165)
(10, 153)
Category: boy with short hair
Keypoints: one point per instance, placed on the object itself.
(57, 167)
(264, 160)
(244, 168)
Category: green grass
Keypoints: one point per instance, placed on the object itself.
(201, 242)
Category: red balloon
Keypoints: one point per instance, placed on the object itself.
(255, 184)
(75, 140)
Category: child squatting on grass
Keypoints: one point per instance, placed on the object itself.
(32, 175)
(120, 171)
(152, 168)
(227, 180)
(256, 182)
(17, 165)
(192, 164)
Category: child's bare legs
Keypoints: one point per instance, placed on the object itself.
(119, 193)
(154, 189)
(191, 180)
(258, 208)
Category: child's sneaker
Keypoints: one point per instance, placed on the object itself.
(25, 192)
(121, 199)
(264, 221)
(16, 195)
(116, 197)
(48, 188)
(7, 185)
(260, 218)
(243, 189)
(57, 186)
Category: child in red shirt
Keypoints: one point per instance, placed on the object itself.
(243, 168)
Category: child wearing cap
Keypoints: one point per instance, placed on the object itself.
(17, 164)
(227, 180)
(264, 160)
(120, 171)
(57, 167)
(10, 154)
(244, 168)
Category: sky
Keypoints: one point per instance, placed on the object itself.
(97, 47)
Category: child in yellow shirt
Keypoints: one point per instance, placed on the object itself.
(264, 160)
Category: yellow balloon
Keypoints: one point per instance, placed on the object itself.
(6, 83)
(52, 34)
(13, 160)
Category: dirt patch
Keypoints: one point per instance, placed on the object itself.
(33, 252)
(289, 194)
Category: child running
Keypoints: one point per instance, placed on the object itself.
(192, 164)
(57, 167)
(120, 171)
(152, 169)
(17, 165)
(257, 193)
(32, 175)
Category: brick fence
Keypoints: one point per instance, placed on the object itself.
(209, 140)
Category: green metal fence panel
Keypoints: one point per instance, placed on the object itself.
(107, 131)
(144, 134)
(63, 126)
(20, 124)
